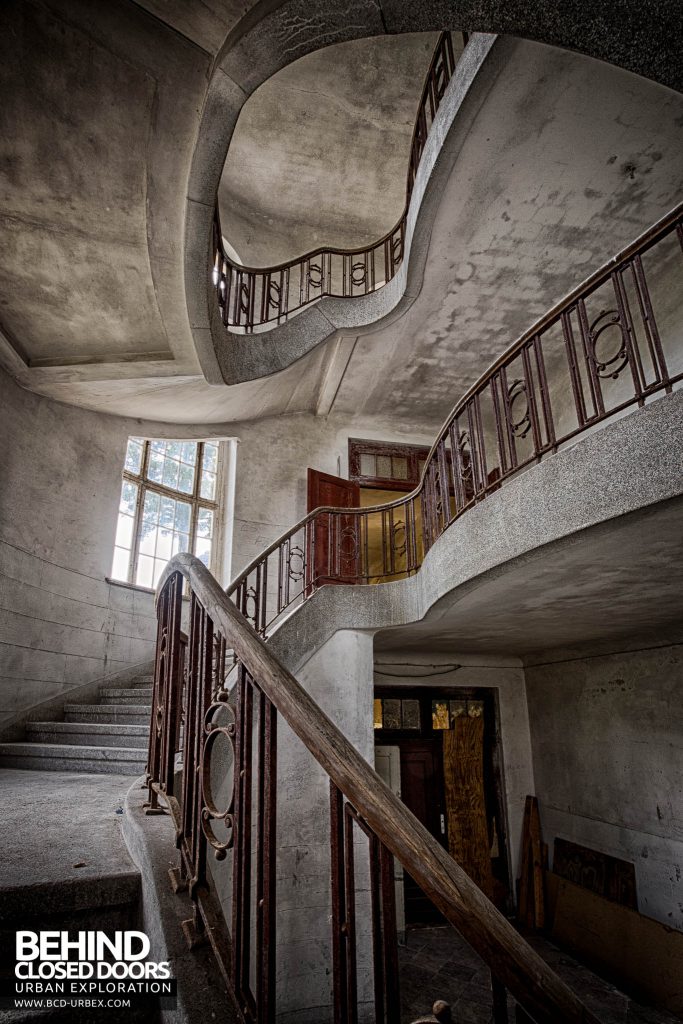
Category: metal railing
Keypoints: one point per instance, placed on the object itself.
(609, 345)
(228, 805)
(250, 297)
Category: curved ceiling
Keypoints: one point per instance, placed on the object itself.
(100, 114)
(320, 152)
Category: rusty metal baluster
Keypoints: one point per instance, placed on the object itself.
(577, 386)
(593, 379)
(241, 881)
(338, 880)
(265, 860)
(280, 571)
(545, 392)
(376, 917)
(505, 389)
(628, 334)
(261, 622)
(456, 469)
(499, 416)
(650, 323)
(350, 917)
(443, 486)
(202, 701)
(531, 400)
(389, 937)
(476, 478)
(481, 444)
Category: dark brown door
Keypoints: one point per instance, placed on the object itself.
(422, 791)
(332, 540)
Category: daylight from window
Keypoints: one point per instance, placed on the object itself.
(168, 504)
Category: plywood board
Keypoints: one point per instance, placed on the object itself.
(463, 763)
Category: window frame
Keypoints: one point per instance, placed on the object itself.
(143, 483)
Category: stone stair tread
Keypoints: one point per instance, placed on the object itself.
(128, 709)
(62, 750)
(96, 728)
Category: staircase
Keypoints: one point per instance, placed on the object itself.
(108, 737)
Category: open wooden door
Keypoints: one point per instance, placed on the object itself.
(332, 540)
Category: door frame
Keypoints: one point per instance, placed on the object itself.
(494, 780)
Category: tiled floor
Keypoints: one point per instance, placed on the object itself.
(436, 963)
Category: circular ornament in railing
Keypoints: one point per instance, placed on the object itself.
(219, 722)
(399, 538)
(315, 275)
(518, 406)
(358, 274)
(608, 362)
(274, 293)
(250, 597)
(245, 297)
(296, 564)
(348, 543)
(465, 449)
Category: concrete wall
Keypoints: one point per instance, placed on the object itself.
(606, 737)
(61, 623)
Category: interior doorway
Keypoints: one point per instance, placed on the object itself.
(444, 745)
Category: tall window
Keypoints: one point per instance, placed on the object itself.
(168, 504)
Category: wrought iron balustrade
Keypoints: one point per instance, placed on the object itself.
(226, 805)
(250, 297)
(611, 344)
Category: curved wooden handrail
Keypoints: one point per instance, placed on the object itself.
(516, 965)
(250, 297)
(457, 475)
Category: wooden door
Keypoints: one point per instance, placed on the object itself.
(332, 540)
(422, 791)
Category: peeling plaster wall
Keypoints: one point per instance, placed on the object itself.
(607, 738)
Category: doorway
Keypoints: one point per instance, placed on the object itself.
(446, 750)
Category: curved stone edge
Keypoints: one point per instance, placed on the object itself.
(629, 464)
(247, 357)
(639, 37)
(202, 994)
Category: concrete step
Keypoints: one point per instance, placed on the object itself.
(62, 757)
(88, 734)
(122, 714)
(122, 695)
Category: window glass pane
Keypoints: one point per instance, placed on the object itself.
(384, 466)
(391, 714)
(399, 468)
(181, 542)
(170, 475)
(182, 516)
(158, 446)
(166, 512)
(202, 549)
(189, 452)
(129, 495)
(159, 566)
(145, 573)
(174, 449)
(410, 714)
(148, 538)
(208, 485)
(119, 569)
(210, 457)
(367, 465)
(186, 478)
(205, 523)
(150, 509)
(377, 713)
(440, 717)
(156, 467)
(133, 461)
(164, 544)
(124, 531)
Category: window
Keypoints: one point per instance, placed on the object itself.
(379, 464)
(168, 504)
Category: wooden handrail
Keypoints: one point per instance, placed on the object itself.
(530, 980)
